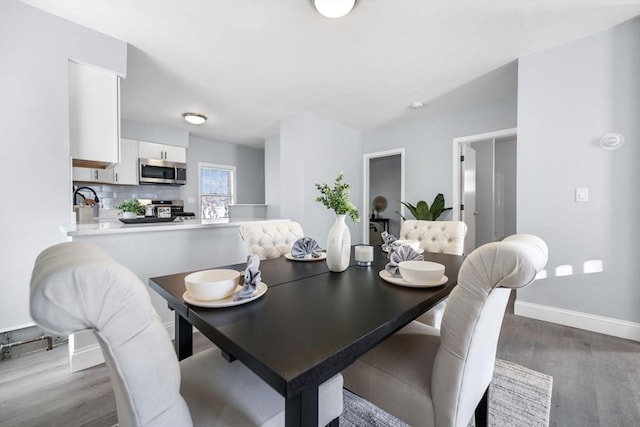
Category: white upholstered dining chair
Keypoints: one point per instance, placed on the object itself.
(431, 377)
(269, 239)
(445, 237)
(76, 286)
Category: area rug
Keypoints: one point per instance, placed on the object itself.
(518, 397)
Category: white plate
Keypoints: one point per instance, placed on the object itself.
(322, 256)
(228, 301)
(420, 250)
(387, 277)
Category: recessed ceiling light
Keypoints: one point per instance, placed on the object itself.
(194, 118)
(416, 105)
(334, 8)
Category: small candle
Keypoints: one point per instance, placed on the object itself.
(364, 255)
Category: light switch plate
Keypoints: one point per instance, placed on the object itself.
(582, 194)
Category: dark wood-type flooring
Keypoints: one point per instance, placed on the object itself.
(596, 379)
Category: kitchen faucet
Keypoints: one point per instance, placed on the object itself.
(96, 206)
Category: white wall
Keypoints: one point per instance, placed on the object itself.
(429, 148)
(249, 163)
(314, 149)
(272, 176)
(154, 133)
(570, 96)
(34, 133)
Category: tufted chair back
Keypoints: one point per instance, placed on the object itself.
(464, 363)
(270, 239)
(436, 236)
(76, 286)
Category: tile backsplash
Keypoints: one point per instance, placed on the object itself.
(112, 195)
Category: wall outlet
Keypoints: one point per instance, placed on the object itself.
(582, 194)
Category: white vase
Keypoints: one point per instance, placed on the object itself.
(129, 215)
(339, 245)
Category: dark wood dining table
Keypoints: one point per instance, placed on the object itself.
(309, 325)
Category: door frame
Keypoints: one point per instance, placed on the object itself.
(457, 149)
(366, 158)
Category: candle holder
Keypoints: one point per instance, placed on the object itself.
(364, 255)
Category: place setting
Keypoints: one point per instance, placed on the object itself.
(306, 249)
(407, 267)
(225, 288)
(390, 241)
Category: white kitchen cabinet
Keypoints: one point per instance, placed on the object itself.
(126, 172)
(92, 175)
(152, 150)
(94, 116)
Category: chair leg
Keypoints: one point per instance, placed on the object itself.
(482, 410)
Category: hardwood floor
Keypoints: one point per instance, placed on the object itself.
(596, 379)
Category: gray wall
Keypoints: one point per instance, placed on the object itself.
(154, 133)
(506, 161)
(313, 149)
(428, 142)
(249, 163)
(570, 96)
(34, 128)
(384, 180)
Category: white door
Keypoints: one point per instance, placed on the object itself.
(468, 196)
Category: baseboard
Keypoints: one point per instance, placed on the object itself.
(575, 319)
(91, 355)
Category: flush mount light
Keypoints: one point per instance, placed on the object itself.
(194, 118)
(334, 8)
(416, 105)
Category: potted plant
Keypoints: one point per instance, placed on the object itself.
(131, 208)
(339, 239)
(422, 211)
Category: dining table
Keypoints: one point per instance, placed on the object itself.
(309, 324)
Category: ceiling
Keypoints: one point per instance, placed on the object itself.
(247, 64)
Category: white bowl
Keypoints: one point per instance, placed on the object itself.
(415, 244)
(421, 272)
(210, 285)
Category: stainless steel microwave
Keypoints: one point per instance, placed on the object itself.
(154, 171)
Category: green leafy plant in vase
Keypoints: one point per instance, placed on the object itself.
(422, 211)
(336, 198)
(131, 208)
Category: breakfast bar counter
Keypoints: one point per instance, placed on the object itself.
(115, 226)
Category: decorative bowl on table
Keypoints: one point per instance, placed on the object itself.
(421, 272)
(210, 285)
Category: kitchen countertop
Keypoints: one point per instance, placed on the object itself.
(114, 226)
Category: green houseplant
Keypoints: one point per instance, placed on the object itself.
(131, 207)
(422, 211)
(339, 239)
(337, 198)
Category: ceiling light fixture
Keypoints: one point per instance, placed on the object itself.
(194, 118)
(416, 105)
(334, 8)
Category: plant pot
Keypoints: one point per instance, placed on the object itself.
(339, 245)
(129, 215)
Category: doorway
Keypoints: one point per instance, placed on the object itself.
(485, 186)
(383, 183)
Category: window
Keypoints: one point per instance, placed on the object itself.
(217, 190)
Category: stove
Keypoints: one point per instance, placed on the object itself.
(177, 208)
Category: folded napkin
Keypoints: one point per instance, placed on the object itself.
(397, 254)
(251, 278)
(389, 241)
(306, 247)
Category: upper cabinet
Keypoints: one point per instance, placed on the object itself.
(151, 150)
(94, 116)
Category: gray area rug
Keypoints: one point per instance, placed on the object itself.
(518, 397)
